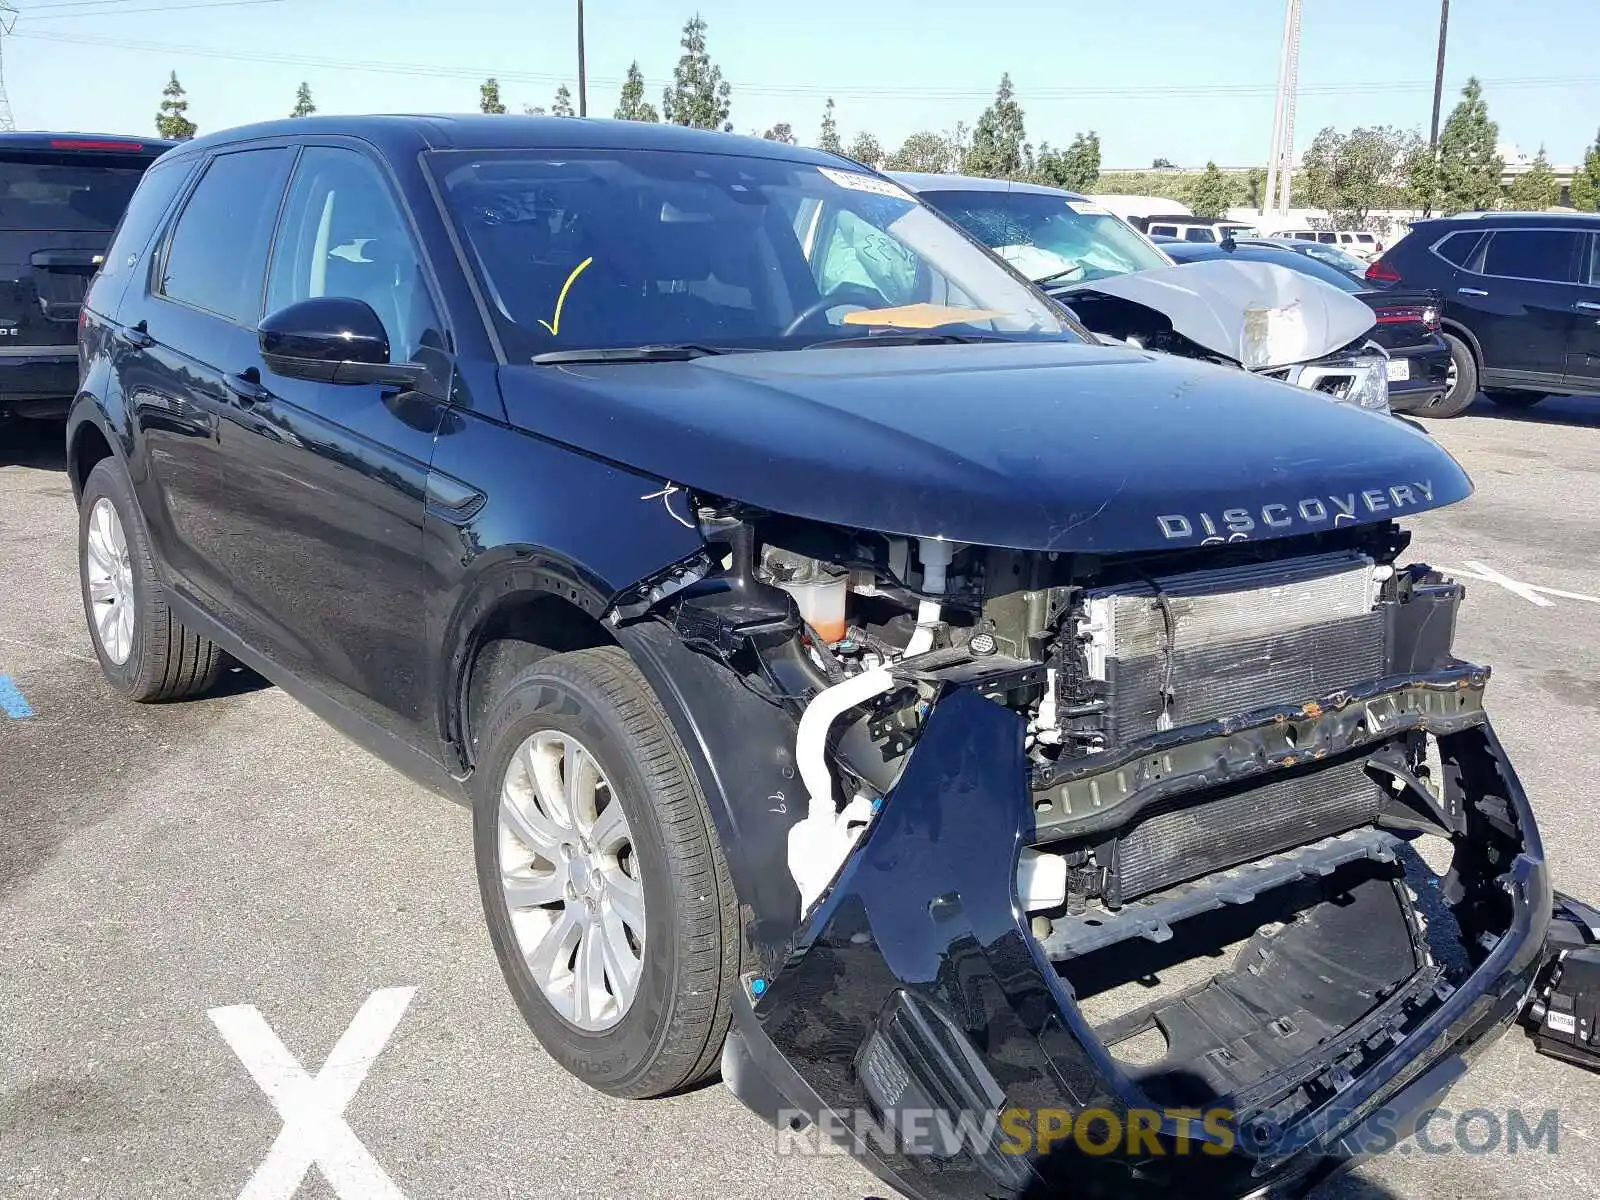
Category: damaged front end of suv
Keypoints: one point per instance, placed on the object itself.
(1182, 814)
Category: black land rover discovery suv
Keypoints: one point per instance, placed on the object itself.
(850, 664)
(61, 195)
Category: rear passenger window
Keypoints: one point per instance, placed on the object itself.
(218, 249)
(1197, 234)
(1544, 254)
(1165, 230)
(1459, 248)
(1328, 239)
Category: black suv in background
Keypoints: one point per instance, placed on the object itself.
(1521, 302)
(61, 195)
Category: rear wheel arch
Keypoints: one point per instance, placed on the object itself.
(87, 446)
(1461, 332)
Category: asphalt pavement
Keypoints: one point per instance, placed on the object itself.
(161, 864)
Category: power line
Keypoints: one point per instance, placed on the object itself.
(128, 12)
(428, 70)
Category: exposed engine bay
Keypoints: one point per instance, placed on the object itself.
(1245, 736)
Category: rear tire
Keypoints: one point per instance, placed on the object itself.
(1464, 390)
(653, 1015)
(1512, 398)
(144, 650)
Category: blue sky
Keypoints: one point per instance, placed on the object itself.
(1183, 80)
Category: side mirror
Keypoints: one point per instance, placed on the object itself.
(333, 339)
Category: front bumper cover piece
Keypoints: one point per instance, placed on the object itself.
(915, 987)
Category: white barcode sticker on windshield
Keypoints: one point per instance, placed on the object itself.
(1085, 208)
(865, 183)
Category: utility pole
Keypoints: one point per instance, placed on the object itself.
(583, 77)
(8, 22)
(1291, 93)
(1280, 163)
(1438, 73)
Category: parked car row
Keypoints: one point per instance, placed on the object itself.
(850, 660)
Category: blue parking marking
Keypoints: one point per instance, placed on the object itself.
(12, 701)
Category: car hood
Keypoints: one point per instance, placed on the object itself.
(1258, 314)
(1035, 446)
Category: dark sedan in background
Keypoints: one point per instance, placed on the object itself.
(1408, 321)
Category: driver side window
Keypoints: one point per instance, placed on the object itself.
(342, 234)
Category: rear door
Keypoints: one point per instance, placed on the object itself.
(1517, 295)
(58, 207)
(187, 324)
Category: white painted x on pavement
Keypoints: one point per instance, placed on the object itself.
(314, 1129)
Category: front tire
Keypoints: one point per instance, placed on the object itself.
(604, 886)
(1511, 398)
(1463, 389)
(144, 651)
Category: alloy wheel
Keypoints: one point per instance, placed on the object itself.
(571, 882)
(108, 572)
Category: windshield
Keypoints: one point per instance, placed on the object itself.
(607, 249)
(66, 192)
(1306, 264)
(1339, 259)
(1047, 236)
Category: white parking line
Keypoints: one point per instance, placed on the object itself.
(314, 1129)
(1534, 593)
(1524, 590)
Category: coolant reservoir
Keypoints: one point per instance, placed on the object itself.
(819, 590)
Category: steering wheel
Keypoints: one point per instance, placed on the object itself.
(845, 293)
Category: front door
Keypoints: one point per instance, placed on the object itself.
(326, 504)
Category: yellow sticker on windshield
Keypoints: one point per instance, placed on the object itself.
(920, 316)
(554, 324)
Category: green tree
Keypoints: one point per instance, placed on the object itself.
(1076, 168)
(172, 119)
(1469, 169)
(699, 96)
(1352, 174)
(303, 107)
(1422, 178)
(631, 104)
(1586, 182)
(864, 148)
(1255, 181)
(781, 132)
(562, 105)
(923, 151)
(999, 148)
(489, 96)
(1212, 193)
(1535, 189)
(1163, 164)
(829, 138)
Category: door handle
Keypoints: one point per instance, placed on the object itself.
(246, 387)
(1587, 306)
(136, 336)
(1471, 292)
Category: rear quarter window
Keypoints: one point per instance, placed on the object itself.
(144, 215)
(1459, 248)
